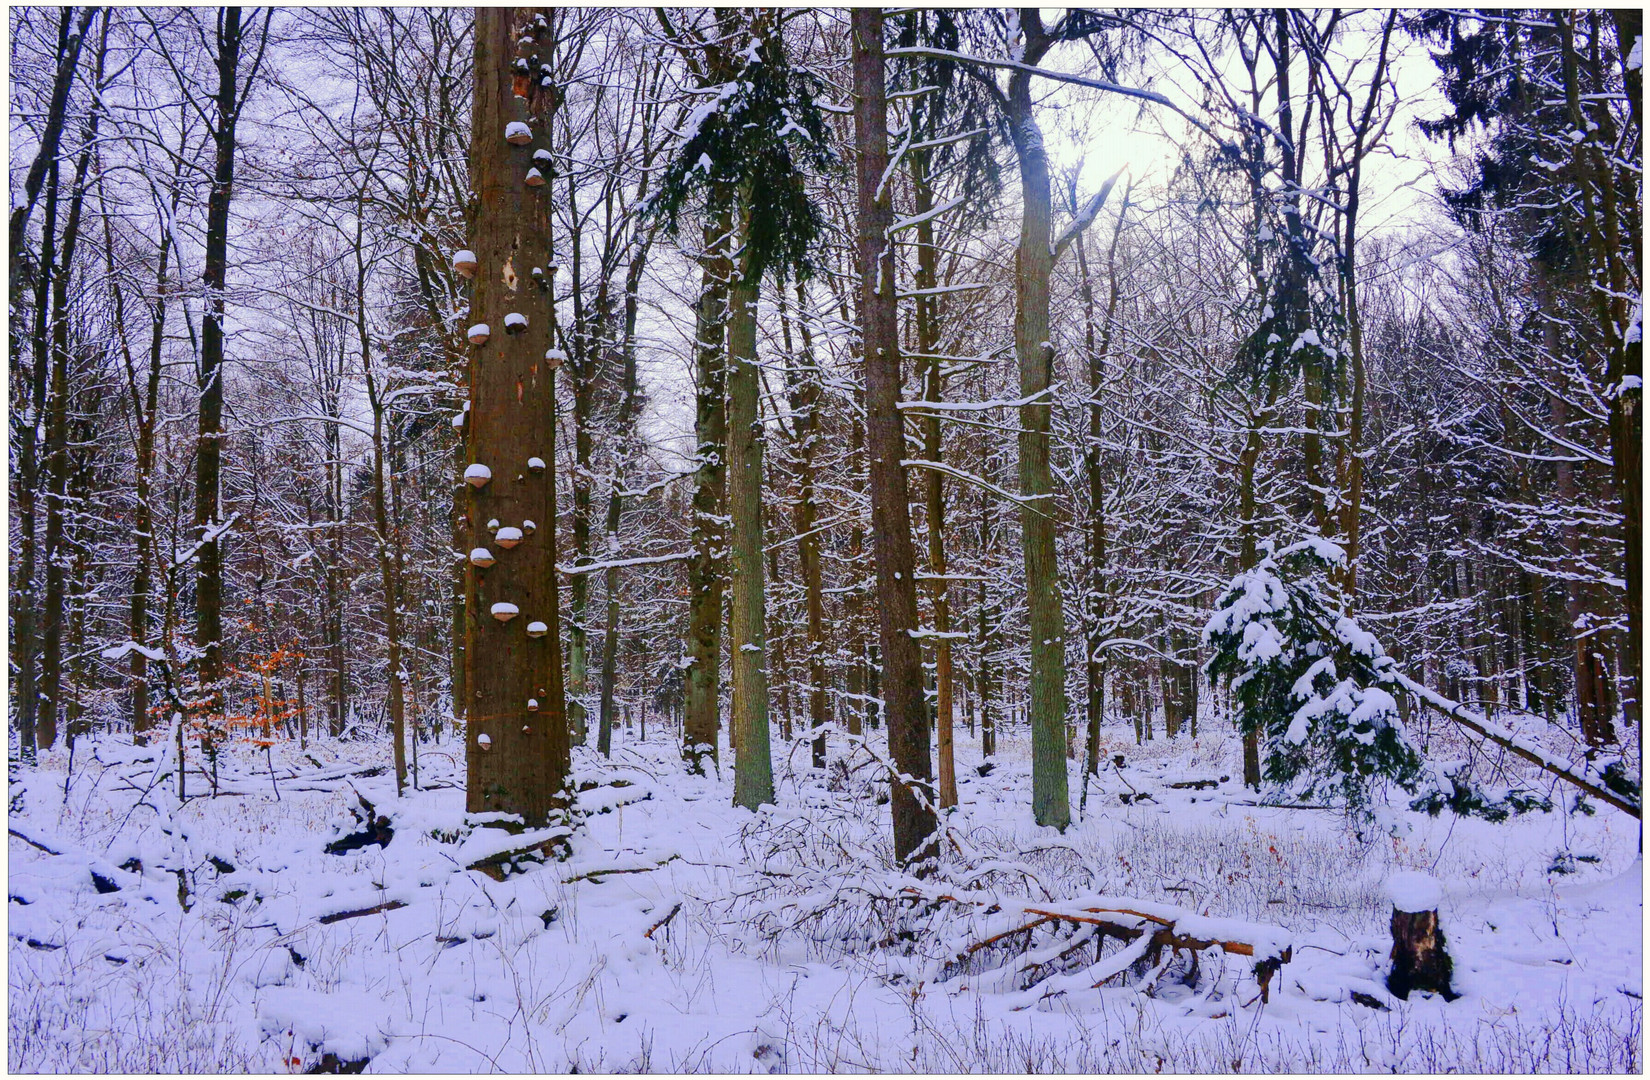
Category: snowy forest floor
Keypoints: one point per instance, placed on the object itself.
(685, 935)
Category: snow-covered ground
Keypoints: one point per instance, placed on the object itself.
(683, 934)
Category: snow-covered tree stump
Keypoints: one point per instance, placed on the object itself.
(1419, 959)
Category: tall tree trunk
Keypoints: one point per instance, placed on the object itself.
(1591, 712)
(985, 681)
(1292, 299)
(1050, 799)
(518, 758)
(610, 639)
(804, 403)
(57, 475)
(779, 682)
(45, 158)
(43, 175)
(144, 402)
(855, 683)
(1626, 374)
(1351, 447)
(209, 451)
(583, 372)
(457, 664)
(928, 343)
(625, 426)
(753, 765)
(388, 564)
(58, 601)
(907, 720)
(25, 628)
(701, 720)
(339, 719)
(1095, 601)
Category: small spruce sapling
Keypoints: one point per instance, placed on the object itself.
(1318, 690)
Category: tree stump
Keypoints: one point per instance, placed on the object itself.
(1419, 958)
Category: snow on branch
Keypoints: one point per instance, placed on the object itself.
(979, 482)
(647, 560)
(1084, 219)
(930, 215)
(127, 648)
(975, 406)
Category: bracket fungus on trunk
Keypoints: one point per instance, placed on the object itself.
(479, 333)
(464, 263)
(482, 557)
(517, 133)
(504, 611)
(477, 475)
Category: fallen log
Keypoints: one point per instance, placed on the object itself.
(375, 829)
(1167, 937)
(497, 855)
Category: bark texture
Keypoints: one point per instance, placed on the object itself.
(518, 756)
(1045, 615)
(709, 564)
(753, 766)
(907, 720)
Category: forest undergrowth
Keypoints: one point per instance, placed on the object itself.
(684, 934)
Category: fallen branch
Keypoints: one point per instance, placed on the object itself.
(669, 915)
(596, 875)
(340, 916)
(33, 842)
(1147, 926)
(1197, 785)
(538, 850)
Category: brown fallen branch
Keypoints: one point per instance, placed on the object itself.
(596, 875)
(1198, 785)
(994, 938)
(376, 909)
(669, 915)
(493, 865)
(1124, 924)
(1166, 937)
(537, 845)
